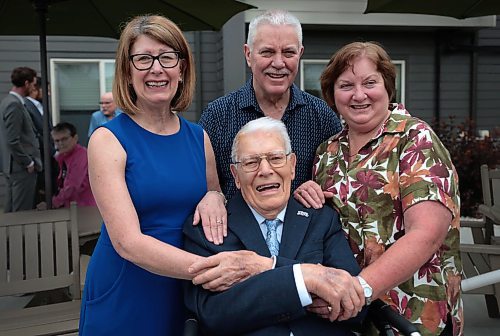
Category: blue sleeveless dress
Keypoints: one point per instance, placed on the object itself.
(166, 178)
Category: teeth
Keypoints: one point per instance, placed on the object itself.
(156, 84)
(268, 186)
(360, 106)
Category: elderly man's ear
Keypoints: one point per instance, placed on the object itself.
(293, 161)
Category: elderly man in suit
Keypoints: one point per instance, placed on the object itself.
(20, 148)
(274, 293)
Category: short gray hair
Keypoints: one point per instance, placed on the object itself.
(275, 17)
(262, 124)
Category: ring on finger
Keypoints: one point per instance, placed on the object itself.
(218, 221)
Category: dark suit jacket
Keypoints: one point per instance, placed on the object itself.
(37, 119)
(20, 145)
(268, 303)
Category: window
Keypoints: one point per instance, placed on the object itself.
(76, 87)
(310, 71)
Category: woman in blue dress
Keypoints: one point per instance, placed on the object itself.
(149, 168)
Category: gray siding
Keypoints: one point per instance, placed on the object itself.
(488, 94)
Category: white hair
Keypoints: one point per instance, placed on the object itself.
(261, 125)
(275, 17)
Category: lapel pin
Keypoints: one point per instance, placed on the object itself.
(302, 213)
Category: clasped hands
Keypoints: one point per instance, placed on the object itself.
(337, 295)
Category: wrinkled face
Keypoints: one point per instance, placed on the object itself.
(361, 97)
(157, 86)
(274, 59)
(63, 141)
(107, 104)
(266, 189)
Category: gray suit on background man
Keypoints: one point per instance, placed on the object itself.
(20, 148)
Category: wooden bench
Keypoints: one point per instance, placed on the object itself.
(484, 255)
(39, 251)
(89, 228)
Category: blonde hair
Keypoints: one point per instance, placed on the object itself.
(164, 31)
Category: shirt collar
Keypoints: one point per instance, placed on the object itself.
(18, 96)
(395, 123)
(260, 219)
(296, 98)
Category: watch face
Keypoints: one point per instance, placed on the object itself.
(368, 291)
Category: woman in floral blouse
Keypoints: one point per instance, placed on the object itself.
(396, 190)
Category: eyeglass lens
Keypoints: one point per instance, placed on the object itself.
(167, 60)
(252, 163)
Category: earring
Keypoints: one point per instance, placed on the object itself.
(180, 80)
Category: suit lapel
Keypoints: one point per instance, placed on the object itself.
(297, 219)
(243, 224)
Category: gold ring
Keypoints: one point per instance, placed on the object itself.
(329, 308)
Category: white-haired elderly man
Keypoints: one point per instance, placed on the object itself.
(289, 242)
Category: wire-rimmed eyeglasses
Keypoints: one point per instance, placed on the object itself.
(143, 62)
(252, 163)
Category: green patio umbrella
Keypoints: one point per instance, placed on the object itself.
(460, 9)
(101, 18)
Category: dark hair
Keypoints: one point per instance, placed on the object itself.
(65, 126)
(342, 60)
(20, 75)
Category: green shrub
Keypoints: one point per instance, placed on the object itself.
(468, 152)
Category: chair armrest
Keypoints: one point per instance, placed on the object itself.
(470, 223)
(480, 248)
(492, 212)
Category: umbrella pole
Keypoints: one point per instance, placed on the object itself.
(41, 8)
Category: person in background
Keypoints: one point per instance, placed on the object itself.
(263, 218)
(149, 169)
(273, 51)
(107, 112)
(20, 149)
(33, 103)
(396, 189)
(73, 179)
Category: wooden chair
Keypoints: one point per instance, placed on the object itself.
(484, 255)
(490, 209)
(89, 228)
(39, 251)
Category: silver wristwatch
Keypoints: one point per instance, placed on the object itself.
(367, 290)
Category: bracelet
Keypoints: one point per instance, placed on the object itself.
(221, 194)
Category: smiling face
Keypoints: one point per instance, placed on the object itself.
(274, 59)
(157, 86)
(267, 189)
(361, 97)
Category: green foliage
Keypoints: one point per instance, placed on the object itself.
(468, 152)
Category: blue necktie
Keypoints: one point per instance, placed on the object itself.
(272, 236)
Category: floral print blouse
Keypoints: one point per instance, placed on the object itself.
(404, 164)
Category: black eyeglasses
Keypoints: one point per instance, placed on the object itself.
(143, 62)
(250, 164)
